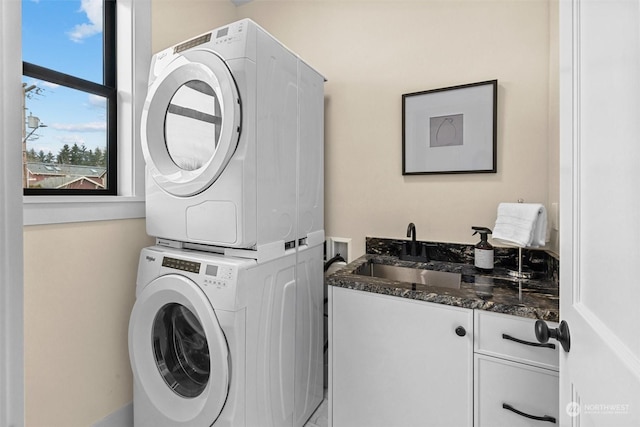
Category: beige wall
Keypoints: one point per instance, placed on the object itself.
(176, 21)
(374, 51)
(79, 287)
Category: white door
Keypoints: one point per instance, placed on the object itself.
(397, 362)
(190, 122)
(178, 352)
(600, 211)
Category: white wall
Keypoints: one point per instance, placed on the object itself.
(374, 51)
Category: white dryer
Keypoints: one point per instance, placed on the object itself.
(229, 119)
(212, 341)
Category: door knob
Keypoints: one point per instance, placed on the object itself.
(543, 333)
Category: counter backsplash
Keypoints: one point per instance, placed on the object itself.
(542, 263)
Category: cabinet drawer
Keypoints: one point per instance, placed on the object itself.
(528, 389)
(496, 335)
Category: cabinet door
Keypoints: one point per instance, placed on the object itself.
(527, 389)
(398, 362)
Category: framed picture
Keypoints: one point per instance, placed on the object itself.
(450, 130)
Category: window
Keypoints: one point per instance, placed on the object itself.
(133, 61)
(69, 97)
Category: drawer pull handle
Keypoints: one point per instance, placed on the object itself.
(532, 417)
(533, 344)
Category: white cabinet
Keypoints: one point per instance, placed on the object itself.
(515, 378)
(401, 362)
(398, 362)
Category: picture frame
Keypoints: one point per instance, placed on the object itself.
(450, 130)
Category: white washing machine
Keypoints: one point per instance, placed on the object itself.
(230, 119)
(223, 341)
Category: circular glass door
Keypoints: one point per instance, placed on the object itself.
(192, 125)
(178, 351)
(181, 351)
(191, 122)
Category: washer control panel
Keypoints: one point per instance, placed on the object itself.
(207, 274)
(218, 275)
(181, 264)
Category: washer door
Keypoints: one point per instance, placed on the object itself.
(178, 351)
(190, 122)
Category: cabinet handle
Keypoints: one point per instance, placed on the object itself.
(460, 331)
(532, 417)
(533, 344)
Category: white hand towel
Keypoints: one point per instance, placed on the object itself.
(521, 224)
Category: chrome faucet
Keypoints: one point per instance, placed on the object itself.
(411, 232)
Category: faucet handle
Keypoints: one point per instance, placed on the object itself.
(398, 243)
(425, 249)
(402, 244)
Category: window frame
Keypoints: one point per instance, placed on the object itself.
(108, 90)
(133, 61)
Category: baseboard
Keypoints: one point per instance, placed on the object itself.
(123, 417)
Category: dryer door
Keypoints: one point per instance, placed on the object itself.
(190, 122)
(178, 351)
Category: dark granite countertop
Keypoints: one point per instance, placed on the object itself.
(497, 291)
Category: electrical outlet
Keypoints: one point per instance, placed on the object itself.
(339, 245)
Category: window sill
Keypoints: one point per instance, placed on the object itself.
(40, 210)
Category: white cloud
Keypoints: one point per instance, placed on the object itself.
(72, 139)
(80, 127)
(41, 83)
(97, 101)
(93, 10)
(47, 84)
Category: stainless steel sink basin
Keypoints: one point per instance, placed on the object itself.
(410, 275)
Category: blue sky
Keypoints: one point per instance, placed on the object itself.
(64, 35)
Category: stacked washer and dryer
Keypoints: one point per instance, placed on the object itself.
(227, 328)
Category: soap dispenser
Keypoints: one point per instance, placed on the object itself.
(483, 251)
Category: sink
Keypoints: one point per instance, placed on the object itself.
(416, 276)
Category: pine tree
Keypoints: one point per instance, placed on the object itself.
(31, 155)
(99, 158)
(64, 155)
(75, 157)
